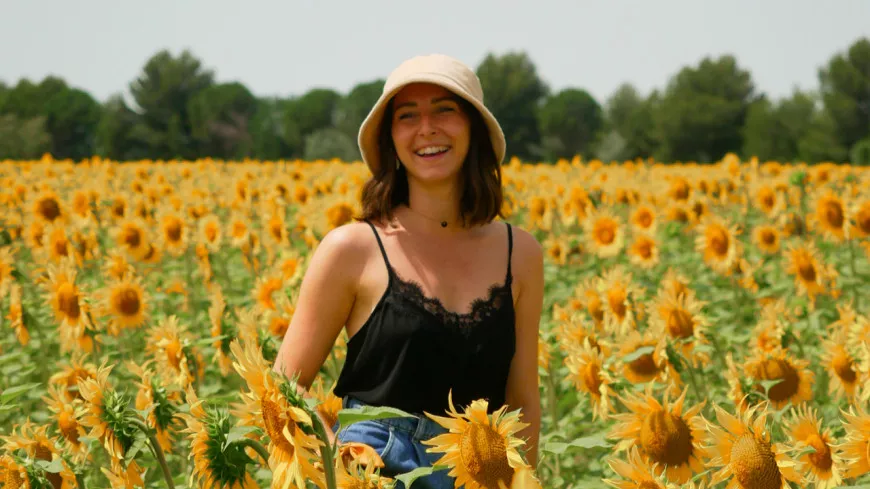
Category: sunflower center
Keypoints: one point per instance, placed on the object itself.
(862, 219)
(821, 458)
(605, 232)
(833, 214)
(239, 229)
(173, 230)
(595, 309)
(644, 365)
(127, 301)
(68, 300)
(778, 369)
(768, 237)
(754, 464)
(211, 232)
(644, 249)
(173, 354)
(842, 365)
(718, 240)
(768, 200)
(807, 270)
(132, 237)
(616, 300)
(60, 246)
(644, 219)
(49, 209)
(275, 424)
(648, 485)
(484, 455)
(67, 424)
(13, 479)
(666, 438)
(680, 323)
(591, 378)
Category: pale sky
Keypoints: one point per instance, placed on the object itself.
(287, 47)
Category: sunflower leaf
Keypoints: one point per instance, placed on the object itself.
(592, 441)
(13, 392)
(644, 350)
(409, 477)
(349, 416)
(237, 433)
(54, 467)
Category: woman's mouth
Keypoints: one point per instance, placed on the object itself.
(432, 152)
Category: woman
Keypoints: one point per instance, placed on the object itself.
(437, 297)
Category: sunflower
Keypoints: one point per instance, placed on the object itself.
(56, 244)
(35, 442)
(328, 404)
(588, 295)
(7, 267)
(573, 332)
(115, 266)
(210, 232)
(665, 435)
(480, 449)
(71, 375)
(766, 238)
(47, 206)
(822, 466)
(812, 277)
(589, 374)
(71, 310)
(356, 475)
(718, 243)
(855, 445)
(160, 404)
(675, 283)
(176, 359)
(604, 233)
(643, 219)
(768, 200)
(125, 303)
(647, 360)
(13, 473)
(16, 315)
(220, 326)
(66, 416)
(860, 213)
(794, 379)
(842, 366)
(173, 232)
(619, 292)
(264, 291)
(216, 464)
(829, 216)
(291, 449)
(131, 235)
(556, 249)
(644, 252)
(106, 415)
(636, 471)
(740, 447)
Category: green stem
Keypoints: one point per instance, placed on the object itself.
(158, 452)
(552, 405)
(855, 296)
(326, 453)
(257, 447)
(80, 481)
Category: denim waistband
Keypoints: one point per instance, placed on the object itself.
(421, 427)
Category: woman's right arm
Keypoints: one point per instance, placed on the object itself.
(325, 300)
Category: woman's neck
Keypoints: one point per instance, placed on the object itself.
(437, 204)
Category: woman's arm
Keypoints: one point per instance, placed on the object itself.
(325, 300)
(522, 388)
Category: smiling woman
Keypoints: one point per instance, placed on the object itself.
(442, 305)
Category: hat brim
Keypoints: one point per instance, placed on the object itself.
(368, 138)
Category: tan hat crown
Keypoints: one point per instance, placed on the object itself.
(439, 69)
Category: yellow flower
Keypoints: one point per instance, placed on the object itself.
(829, 216)
(589, 374)
(644, 252)
(855, 446)
(812, 277)
(125, 304)
(842, 366)
(822, 466)
(636, 471)
(718, 243)
(480, 449)
(604, 233)
(766, 238)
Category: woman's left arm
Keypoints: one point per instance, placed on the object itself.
(522, 386)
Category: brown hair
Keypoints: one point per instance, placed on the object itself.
(482, 197)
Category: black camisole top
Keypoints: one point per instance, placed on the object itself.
(411, 352)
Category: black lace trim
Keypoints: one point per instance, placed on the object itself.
(482, 308)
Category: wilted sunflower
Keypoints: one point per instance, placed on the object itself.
(125, 303)
(106, 415)
(356, 475)
(766, 238)
(70, 376)
(636, 471)
(666, 436)
(215, 463)
(291, 449)
(717, 241)
(740, 447)
(855, 445)
(823, 465)
(66, 416)
(829, 216)
(589, 374)
(604, 233)
(480, 449)
(160, 404)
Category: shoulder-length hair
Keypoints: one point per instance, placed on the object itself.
(482, 196)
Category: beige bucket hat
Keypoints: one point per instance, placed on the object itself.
(438, 69)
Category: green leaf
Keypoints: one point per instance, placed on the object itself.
(237, 433)
(409, 477)
(13, 392)
(597, 440)
(644, 350)
(347, 417)
(135, 448)
(54, 467)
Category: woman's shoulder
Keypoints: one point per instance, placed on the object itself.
(525, 243)
(350, 243)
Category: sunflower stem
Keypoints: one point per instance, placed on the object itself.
(80, 481)
(256, 446)
(158, 452)
(553, 406)
(326, 453)
(855, 296)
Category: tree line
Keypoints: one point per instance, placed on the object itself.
(703, 112)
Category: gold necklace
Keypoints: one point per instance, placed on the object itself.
(443, 223)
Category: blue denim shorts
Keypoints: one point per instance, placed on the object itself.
(398, 441)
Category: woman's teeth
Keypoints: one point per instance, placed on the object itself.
(432, 150)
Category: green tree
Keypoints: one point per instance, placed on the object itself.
(702, 112)
(845, 86)
(513, 92)
(23, 138)
(71, 115)
(162, 93)
(328, 143)
(268, 132)
(313, 111)
(353, 108)
(113, 134)
(569, 123)
(629, 131)
(220, 117)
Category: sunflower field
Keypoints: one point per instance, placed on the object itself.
(705, 326)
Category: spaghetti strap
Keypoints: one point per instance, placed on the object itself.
(510, 252)
(383, 252)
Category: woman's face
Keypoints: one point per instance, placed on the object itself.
(431, 132)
